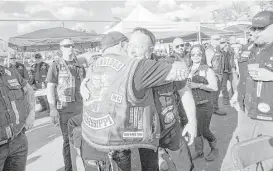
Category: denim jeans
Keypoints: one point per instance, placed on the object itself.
(203, 115)
(95, 160)
(67, 113)
(226, 77)
(13, 155)
(215, 96)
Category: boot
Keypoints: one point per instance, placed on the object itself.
(219, 112)
(214, 153)
(198, 144)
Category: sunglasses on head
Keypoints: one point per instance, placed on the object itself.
(180, 45)
(68, 46)
(257, 28)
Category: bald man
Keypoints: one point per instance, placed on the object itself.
(65, 101)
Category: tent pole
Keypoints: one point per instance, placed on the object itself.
(200, 40)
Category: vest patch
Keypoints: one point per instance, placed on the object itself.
(271, 58)
(98, 123)
(8, 72)
(169, 117)
(263, 107)
(133, 135)
(264, 118)
(116, 98)
(136, 117)
(108, 62)
(13, 82)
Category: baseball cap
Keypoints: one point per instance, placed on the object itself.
(111, 39)
(262, 19)
(215, 37)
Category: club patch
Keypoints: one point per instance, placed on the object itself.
(263, 107)
(98, 123)
(116, 98)
(8, 72)
(133, 135)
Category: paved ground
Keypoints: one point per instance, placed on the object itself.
(45, 143)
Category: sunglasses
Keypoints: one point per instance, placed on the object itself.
(180, 45)
(257, 28)
(196, 54)
(68, 46)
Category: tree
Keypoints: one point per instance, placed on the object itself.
(266, 5)
(232, 12)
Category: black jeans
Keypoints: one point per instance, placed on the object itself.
(13, 155)
(215, 96)
(203, 115)
(67, 113)
(226, 77)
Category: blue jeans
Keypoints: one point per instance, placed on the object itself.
(203, 116)
(67, 113)
(13, 155)
(215, 96)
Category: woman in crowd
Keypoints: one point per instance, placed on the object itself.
(203, 82)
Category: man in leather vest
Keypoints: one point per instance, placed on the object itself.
(38, 73)
(255, 116)
(215, 61)
(145, 75)
(176, 107)
(21, 69)
(64, 78)
(228, 69)
(17, 114)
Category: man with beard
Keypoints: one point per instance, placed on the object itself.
(255, 116)
(137, 81)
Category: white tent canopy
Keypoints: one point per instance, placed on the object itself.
(162, 28)
(141, 17)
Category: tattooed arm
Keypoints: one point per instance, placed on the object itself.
(30, 98)
(178, 72)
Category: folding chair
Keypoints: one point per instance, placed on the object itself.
(252, 152)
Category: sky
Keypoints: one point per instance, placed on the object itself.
(95, 11)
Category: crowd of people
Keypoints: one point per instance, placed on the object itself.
(134, 99)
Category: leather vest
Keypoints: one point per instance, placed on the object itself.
(167, 105)
(13, 108)
(217, 62)
(20, 68)
(66, 87)
(113, 118)
(258, 97)
(200, 96)
(248, 54)
(39, 74)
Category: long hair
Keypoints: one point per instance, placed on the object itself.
(203, 60)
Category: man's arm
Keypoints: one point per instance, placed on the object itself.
(179, 71)
(51, 95)
(188, 104)
(26, 76)
(209, 56)
(190, 109)
(30, 98)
